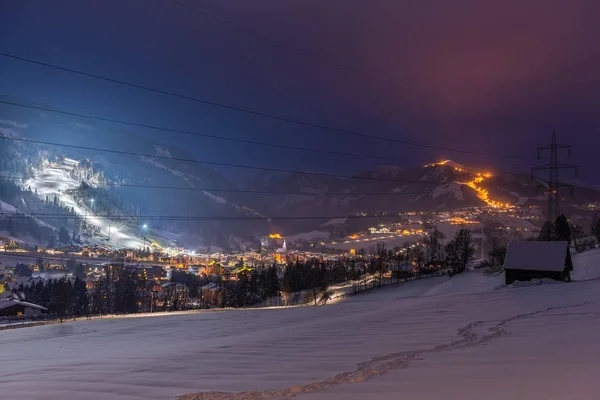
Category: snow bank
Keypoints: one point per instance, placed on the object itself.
(7, 208)
(586, 265)
(468, 282)
(451, 189)
(336, 221)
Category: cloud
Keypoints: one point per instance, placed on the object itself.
(83, 126)
(13, 124)
(162, 152)
(6, 132)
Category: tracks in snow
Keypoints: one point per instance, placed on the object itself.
(470, 335)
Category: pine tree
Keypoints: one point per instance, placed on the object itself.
(80, 271)
(253, 290)
(460, 250)
(63, 235)
(577, 233)
(562, 229)
(79, 303)
(546, 233)
(595, 231)
(11, 226)
(432, 244)
(273, 286)
(63, 295)
(497, 255)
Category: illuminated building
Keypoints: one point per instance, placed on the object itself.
(272, 241)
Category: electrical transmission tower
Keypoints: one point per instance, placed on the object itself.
(553, 184)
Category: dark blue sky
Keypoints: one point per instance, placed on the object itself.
(493, 77)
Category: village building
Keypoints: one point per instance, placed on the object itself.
(12, 306)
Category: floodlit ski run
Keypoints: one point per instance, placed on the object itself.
(56, 180)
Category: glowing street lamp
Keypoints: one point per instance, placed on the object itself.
(145, 230)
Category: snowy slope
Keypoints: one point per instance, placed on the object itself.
(400, 342)
(56, 180)
(586, 265)
(7, 208)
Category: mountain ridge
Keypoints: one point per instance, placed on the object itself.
(443, 185)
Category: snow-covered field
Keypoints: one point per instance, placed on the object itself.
(56, 180)
(391, 240)
(466, 337)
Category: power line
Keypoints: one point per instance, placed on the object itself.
(241, 109)
(554, 185)
(205, 135)
(195, 218)
(211, 136)
(130, 153)
(161, 187)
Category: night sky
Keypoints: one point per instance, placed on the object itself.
(494, 77)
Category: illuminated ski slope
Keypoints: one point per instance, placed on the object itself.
(56, 180)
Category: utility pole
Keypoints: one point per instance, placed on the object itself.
(109, 232)
(553, 183)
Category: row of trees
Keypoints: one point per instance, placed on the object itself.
(60, 296)
(562, 230)
(595, 228)
(559, 230)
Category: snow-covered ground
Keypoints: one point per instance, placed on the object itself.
(467, 337)
(587, 265)
(7, 208)
(391, 240)
(56, 180)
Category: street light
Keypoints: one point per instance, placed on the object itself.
(145, 230)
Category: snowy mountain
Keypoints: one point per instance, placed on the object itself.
(438, 186)
(113, 180)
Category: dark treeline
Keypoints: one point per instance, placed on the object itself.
(62, 297)
(574, 234)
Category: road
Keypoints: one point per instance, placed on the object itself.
(11, 259)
